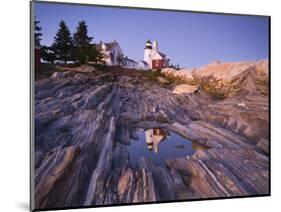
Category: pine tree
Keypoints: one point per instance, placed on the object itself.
(37, 34)
(83, 49)
(62, 45)
(94, 55)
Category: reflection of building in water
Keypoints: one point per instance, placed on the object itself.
(154, 137)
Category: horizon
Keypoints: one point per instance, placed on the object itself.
(187, 38)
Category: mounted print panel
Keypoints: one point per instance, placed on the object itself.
(137, 105)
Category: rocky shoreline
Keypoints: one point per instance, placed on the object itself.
(83, 124)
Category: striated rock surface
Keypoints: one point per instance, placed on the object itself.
(229, 172)
(84, 123)
(263, 144)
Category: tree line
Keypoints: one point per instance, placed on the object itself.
(67, 47)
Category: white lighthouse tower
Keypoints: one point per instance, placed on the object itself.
(147, 53)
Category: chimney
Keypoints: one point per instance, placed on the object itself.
(102, 46)
(155, 45)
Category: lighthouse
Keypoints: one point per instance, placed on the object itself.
(153, 57)
(148, 52)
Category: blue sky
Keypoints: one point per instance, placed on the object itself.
(189, 39)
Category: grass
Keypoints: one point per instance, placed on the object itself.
(153, 75)
(179, 80)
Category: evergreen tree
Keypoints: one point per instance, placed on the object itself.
(62, 45)
(94, 55)
(37, 34)
(84, 51)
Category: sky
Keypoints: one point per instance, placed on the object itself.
(189, 39)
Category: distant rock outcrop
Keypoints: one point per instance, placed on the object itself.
(230, 79)
(222, 79)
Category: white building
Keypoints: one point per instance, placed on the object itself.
(111, 52)
(113, 55)
(142, 65)
(128, 63)
(153, 57)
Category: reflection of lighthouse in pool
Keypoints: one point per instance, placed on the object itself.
(154, 137)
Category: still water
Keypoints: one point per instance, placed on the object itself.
(158, 145)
